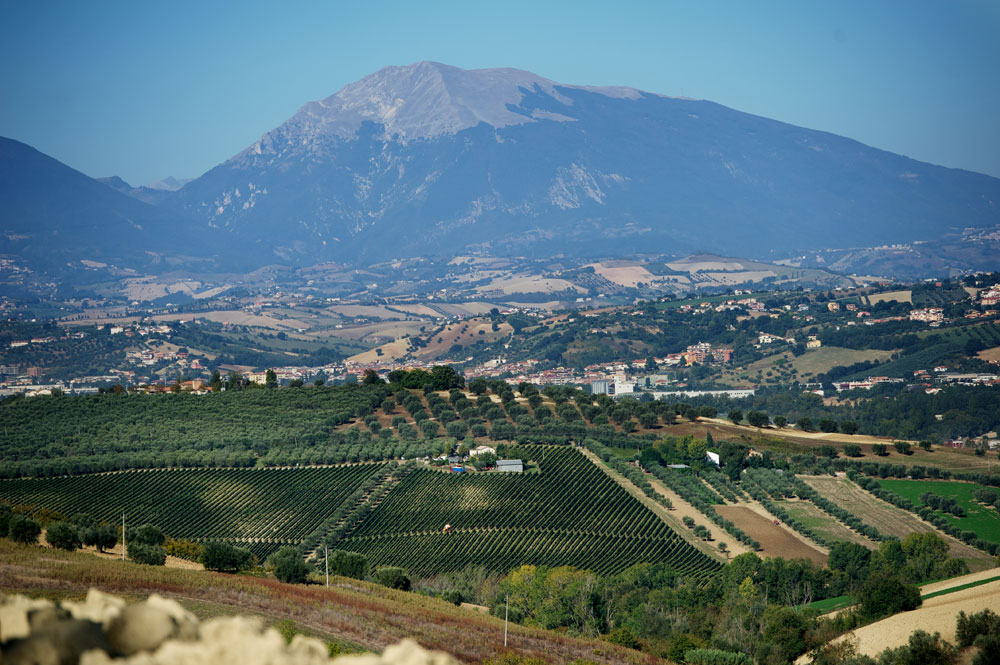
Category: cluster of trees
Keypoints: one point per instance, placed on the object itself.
(943, 503)
(965, 410)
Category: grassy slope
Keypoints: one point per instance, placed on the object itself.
(984, 520)
(351, 613)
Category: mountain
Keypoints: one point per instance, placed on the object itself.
(54, 215)
(169, 184)
(432, 159)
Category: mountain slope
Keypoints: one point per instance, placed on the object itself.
(430, 159)
(54, 215)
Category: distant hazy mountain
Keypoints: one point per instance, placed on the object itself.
(169, 184)
(52, 215)
(429, 158)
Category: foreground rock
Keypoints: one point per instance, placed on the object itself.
(103, 629)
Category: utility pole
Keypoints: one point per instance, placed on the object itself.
(123, 535)
(506, 611)
(326, 560)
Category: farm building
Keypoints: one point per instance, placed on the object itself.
(511, 465)
(482, 450)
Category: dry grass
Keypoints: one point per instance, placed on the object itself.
(936, 615)
(351, 611)
(898, 296)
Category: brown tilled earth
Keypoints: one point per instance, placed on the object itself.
(775, 539)
(889, 519)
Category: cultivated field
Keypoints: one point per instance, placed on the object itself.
(984, 520)
(898, 296)
(775, 539)
(568, 514)
(260, 509)
(824, 524)
(888, 519)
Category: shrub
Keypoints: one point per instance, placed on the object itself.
(902, 447)
(23, 529)
(715, 657)
(879, 449)
(852, 450)
(102, 536)
(289, 566)
(225, 558)
(150, 555)
(63, 535)
(183, 549)
(147, 534)
(348, 564)
(392, 577)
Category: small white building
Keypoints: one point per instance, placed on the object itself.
(713, 458)
(510, 465)
(482, 450)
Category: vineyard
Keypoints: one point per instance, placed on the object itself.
(570, 513)
(260, 509)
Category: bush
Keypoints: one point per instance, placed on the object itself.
(63, 535)
(23, 529)
(348, 564)
(971, 626)
(150, 555)
(392, 577)
(102, 536)
(183, 549)
(902, 447)
(5, 515)
(289, 566)
(852, 450)
(879, 449)
(225, 558)
(716, 657)
(147, 534)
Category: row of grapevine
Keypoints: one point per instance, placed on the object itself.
(238, 505)
(569, 513)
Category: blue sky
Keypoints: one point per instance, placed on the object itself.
(145, 90)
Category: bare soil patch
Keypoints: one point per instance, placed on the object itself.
(774, 540)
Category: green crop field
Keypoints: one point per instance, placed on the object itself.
(260, 509)
(984, 520)
(570, 513)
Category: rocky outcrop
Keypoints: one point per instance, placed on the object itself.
(104, 630)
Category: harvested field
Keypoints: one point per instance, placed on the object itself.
(898, 296)
(889, 519)
(775, 540)
(825, 525)
(936, 615)
(990, 355)
(624, 275)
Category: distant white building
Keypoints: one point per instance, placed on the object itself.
(482, 450)
(713, 458)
